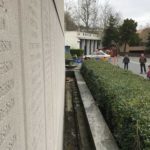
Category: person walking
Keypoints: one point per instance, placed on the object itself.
(114, 54)
(126, 61)
(148, 73)
(142, 61)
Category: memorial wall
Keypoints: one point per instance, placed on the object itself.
(31, 74)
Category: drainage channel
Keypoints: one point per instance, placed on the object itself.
(77, 135)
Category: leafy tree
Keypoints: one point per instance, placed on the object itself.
(69, 22)
(135, 40)
(111, 33)
(148, 43)
(127, 32)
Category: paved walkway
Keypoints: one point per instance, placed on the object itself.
(134, 65)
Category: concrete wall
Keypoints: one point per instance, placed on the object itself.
(31, 74)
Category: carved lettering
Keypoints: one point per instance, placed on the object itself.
(6, 87)
(11, 97)
(33, 23)
(34, 45)
(2, 23)
(11, 143)
(3, 12)
(6, 107)
(4, 132)
(1, 3)
(33, 18)
(2, 6)
(32, 11)
(34, 3)
(5, 46)
(5, 66)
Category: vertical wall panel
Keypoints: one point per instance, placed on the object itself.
(31, 75)
(11, 97)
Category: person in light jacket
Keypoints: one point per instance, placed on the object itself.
(148, 73)
(142, 61)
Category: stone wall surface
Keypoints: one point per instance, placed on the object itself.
(31, 75)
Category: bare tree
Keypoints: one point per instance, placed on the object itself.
(94, 18)
(88, 13)
(68, 5)
(105, 11)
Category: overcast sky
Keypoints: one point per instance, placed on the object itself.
(139, 10)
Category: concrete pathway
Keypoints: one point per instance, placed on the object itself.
(134, 65)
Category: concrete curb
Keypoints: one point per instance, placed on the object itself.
(101, 134)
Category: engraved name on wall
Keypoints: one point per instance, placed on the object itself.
(34, 80)
(10, 99)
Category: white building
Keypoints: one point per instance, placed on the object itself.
(82, 40)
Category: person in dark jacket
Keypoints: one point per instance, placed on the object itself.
(142, 61)
(126, 61)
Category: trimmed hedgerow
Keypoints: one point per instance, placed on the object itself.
(124, 99)
(77, 52)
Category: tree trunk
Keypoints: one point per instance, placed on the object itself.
(87, 26)
(125, 45)
(118, 48)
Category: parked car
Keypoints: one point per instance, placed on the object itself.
(98, 55)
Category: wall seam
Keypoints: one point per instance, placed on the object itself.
(22, 70)
(45, 110)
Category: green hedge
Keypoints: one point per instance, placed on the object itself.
(76, 52)
(124, 99)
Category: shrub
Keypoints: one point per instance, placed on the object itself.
(76, 52)
(68, 56)
(124, 99)
(68, 59)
